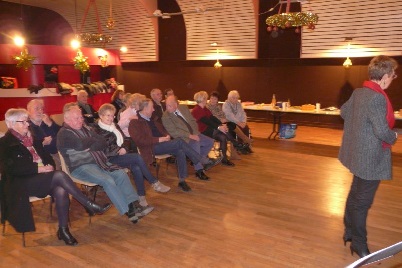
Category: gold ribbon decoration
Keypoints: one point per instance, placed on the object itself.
(24, 60)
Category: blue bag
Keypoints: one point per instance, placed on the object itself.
(287, 131)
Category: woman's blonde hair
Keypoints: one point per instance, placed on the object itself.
(200, 96)
(135, 100)
(106, 107)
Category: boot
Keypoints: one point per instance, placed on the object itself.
(131, 214)
(92, 208)
(140, 211)
(234, 155)
(68, 238)
(240, 134)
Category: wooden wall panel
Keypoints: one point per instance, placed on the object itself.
(374, 25)
(233, 28)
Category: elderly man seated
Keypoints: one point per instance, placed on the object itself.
(43, 128)
(152, 139)
(82, 150)
(89, 113)
(179, 123)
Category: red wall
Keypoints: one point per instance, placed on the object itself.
(58, 55)
(53, 105)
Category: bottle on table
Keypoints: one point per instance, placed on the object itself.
(273, 102)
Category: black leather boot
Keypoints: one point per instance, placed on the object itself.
(93, 208)
(64, 233)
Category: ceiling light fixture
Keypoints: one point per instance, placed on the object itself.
(198, 10)
(93, 38)
(348, 62)
(291, 19)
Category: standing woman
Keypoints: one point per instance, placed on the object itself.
(28, 170)
(366, 147)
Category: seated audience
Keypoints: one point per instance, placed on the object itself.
(216, 110)
(152, 139)
(130, 112)
(159, 106)
(117, 101)
(44, 129)
(82, 150)
(179, 123)
(211, 126)
(119, 152)
(88, 112)
(28, 170)
(234, 112)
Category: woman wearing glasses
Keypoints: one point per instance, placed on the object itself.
(366, 147)
(27, 170)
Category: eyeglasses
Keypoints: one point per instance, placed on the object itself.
(23, 122)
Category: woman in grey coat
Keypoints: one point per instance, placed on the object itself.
(366, 147)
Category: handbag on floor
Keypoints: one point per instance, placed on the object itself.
(287, 131)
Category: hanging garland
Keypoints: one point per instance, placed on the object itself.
(80, 62)
(24, 60)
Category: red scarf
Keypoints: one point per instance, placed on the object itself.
(390, 111)
(27, 141)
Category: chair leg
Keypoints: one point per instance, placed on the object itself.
(51, 207)
(23, 239)
(157, 169)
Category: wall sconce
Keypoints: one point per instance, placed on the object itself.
(103, 60)
(347, 63)
(217, 64)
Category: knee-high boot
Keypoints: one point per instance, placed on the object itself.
(242, 136)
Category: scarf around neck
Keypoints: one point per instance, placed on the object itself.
(390, 111)
(112, 128)
(27, 141)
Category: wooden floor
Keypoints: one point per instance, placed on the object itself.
(279, 207)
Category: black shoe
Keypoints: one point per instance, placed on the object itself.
(184, 186)
(131, 214)
(201, 175)
(68, 238)
(228, 163)
(212, 162)
(362, 252)
(93, 208)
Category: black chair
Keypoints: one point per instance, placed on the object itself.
(378, 255)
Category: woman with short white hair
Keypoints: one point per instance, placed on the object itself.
(28, 170)
(234, 112)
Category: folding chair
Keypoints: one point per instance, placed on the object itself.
(32, 199)
(87, 186)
